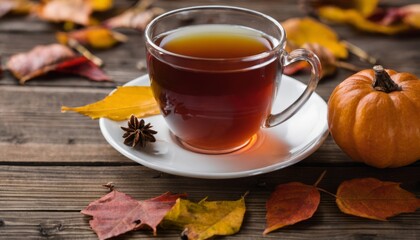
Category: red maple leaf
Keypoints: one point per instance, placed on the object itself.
(117, 213)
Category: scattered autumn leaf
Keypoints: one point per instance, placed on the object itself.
(15, 6)
(77, 11)
(101, 5)
(375, 199)
(365, 7)
(307, 30)
(121, 104)
(206, 219)
(353, 17)
(38, 61)
(54, 57)
(410, 15)
(83, 67)
(291, 203)
(136, 17)
(328, 61)
(117, 213)
(95, 36)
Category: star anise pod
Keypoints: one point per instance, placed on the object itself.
(138, 132)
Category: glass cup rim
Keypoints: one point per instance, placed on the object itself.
(149, 41)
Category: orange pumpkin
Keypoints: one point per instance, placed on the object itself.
(374, 117)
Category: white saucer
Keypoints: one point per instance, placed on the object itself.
(272, 149)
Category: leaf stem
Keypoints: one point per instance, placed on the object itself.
(362, 54)
(320, 178)
(347, 66)
(86, 53)
(327, 192)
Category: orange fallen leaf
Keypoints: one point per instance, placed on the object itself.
(121, 104)
(95, 36)
(307, 30)
(77, 11)
(136, 17)
(375, 199)
(290, 203)
(117, 213)
(54, 57)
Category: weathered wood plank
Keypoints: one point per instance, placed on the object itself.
(53, 197)
(72, 225)
(70, 188)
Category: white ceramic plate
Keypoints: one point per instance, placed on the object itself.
(271, 149)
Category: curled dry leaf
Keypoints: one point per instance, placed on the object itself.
(136, 17)
(290, 203)
(121, 104)
(16, 6)
(117, 213)
(77, 11)
(38, 61)
(95, 36)
(307, 30)
(54, 57)
(206, 219)
(375, 199)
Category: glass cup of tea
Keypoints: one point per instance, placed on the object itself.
(215, 71)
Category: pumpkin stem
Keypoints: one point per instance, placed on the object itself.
(383, 81)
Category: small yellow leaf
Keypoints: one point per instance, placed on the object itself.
(206, 219)
(307, 30)
(355, 18)
(365, 7)
(95, 36)
(103, 38)
(121, 104)
(101, 5)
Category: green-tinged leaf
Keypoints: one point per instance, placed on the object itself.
(206, 219)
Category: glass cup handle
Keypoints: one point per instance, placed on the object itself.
(286, 59)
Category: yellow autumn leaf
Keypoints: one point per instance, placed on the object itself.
(121, 104)
(365, 7)
(206, 219)
(101, 5)
(307, 30)
(95, 36)
(355, 18)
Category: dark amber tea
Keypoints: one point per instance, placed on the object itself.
(211, 90)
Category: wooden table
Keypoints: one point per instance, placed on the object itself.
(53, 164)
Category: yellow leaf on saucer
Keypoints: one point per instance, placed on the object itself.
(307, 30)
(206, 219)
(121, 104)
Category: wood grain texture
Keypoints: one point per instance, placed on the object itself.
(53, 164)
(53, 196)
